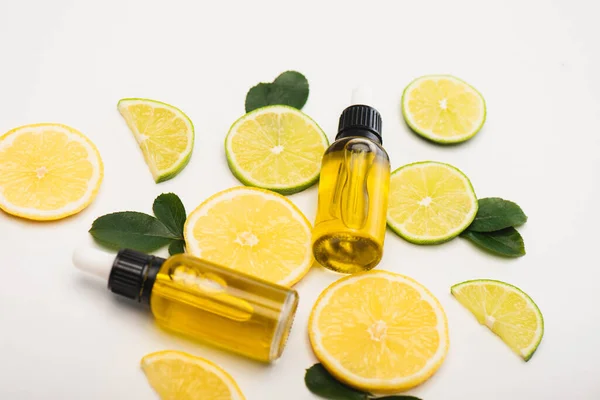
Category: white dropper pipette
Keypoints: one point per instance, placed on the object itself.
(93, 261)
(362, 95)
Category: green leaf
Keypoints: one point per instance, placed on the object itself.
(169, 210)
(177, 247)
(290, 89)
(506, 242)
(258, 96)
(321, 383)
(293, 89)
(397, 397)
(133, 230)
(495, 213)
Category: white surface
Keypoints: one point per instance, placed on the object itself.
(94, 261)
(63, 336)
(362, 95)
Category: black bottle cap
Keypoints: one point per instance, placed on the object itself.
(360, 120)
(133, 274)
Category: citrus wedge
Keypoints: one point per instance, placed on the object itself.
(506, 310)
(255, 231)
(180, 376)
(430, 202)
(48, 171)
(443, 109)
(379, 331)
(277, 148)
(164, 133)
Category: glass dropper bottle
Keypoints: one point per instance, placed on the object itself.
(349, 229)
(199, 299)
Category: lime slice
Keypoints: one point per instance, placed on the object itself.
(443, 109)
(506, 310)
(430, 202)
(277, 148)
(165, 135)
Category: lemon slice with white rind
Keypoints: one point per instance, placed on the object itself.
(48, 171)
(254, 231)
(180, 376)
(379, 331)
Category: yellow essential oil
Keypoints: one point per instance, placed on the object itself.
(349, 230)
(223, 307)
(204, 301)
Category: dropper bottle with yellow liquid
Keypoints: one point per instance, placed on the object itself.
(350, 226)
(200, 300)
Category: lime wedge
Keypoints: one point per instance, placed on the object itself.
(505, 309)
(277, 148)
(430, 202)
(164, 133)
(443, 109)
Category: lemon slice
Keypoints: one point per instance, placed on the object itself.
(254, 231)
(48, 171)
(443, 108)
(180, 376)
(506, 310)
(430, 202)
(164, 133)
(379, 331)
(277, 148)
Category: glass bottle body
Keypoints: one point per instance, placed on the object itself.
(222, 307)
(350, 226)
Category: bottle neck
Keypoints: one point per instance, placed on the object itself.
(133, 275)
(360, 120)
(358, 132)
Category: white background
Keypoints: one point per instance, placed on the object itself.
(64, 336)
